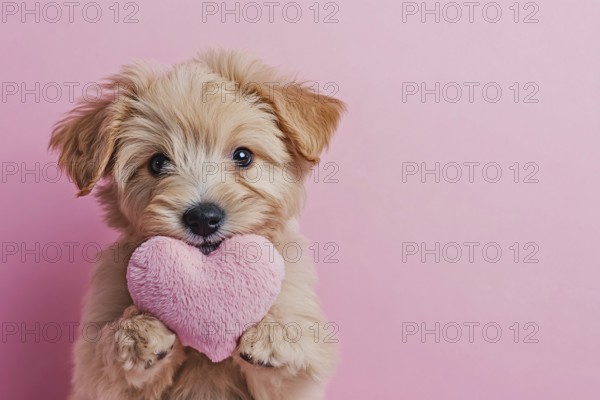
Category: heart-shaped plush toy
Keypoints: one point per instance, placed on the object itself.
(209, 301)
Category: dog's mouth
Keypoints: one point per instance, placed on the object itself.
(207, 248)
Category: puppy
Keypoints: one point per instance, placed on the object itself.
(146, 143)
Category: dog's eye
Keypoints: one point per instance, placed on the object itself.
(157, 164)
(242, 157)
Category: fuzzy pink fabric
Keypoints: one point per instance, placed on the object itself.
(209, 301)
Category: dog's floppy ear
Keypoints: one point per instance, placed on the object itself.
(85, 139)
(87, 136)
(309, 119)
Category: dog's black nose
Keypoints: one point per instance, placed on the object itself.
(204, 219)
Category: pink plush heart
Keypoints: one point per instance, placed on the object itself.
(209, 301)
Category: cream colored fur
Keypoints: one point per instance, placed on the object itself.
(197, 113)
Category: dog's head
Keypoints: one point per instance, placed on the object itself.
(207, 149)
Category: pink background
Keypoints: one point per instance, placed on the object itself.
(370, 212)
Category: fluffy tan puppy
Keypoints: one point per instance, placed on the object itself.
(200, 151)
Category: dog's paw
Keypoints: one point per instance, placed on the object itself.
(269, 344)
(144, 345)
